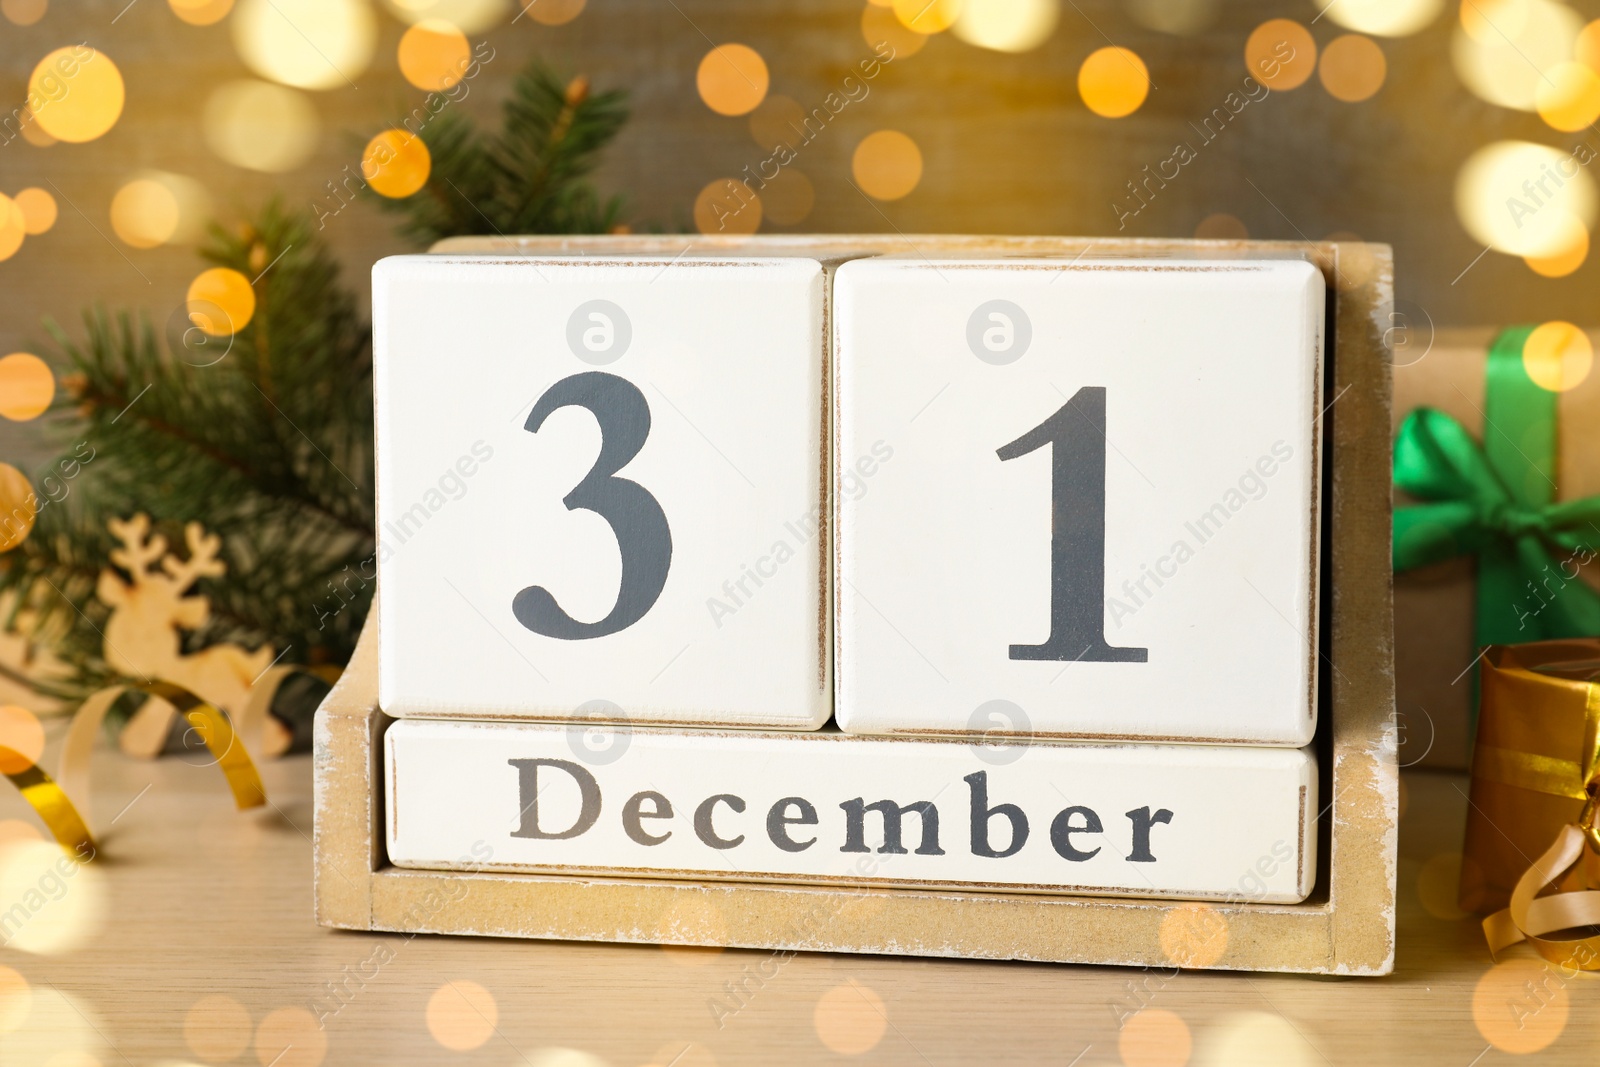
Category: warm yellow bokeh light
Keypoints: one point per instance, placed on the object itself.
(887, 165)
(471, 16)
(201, 12)
(1439, 886)
(1154, 1037)
(309, 44)
(1568, 259)
(1181, 18)
(1113, 82)
(788, 198)
(76, 94)
(26, 386)
(1352, 68)
(850, 1019)
(38, 210)
(732, 79)
(60, 900)
(1557, 356)
(291, 1037)
(260, 126)
(434, 55)
(1506, 60)
(879, 26)
(927, 16)
(1281, 54)
(1007, 25)
(21, 739)
(1255, 1039)
(1194, 935)
(144, 213)
(13, 227)
(31, 131)
(1383, 18)
(1587, 48)
(462, 1015)
(24, 12)
(17, 830)
(18, 506)
(554, 12)
(57, 1030)
(780, 120)
(220, 301)
(1221, 226)
(1520, 198)
(16, 999)
(1493, 20)
(217, 1028)
(1568, 97)
(1521, 1006)
(727, 206)
(396, 163)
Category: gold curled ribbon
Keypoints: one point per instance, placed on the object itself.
(144, 735)
(50, 801)
(1532, 918)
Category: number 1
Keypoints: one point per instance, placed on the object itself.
(1076, 434)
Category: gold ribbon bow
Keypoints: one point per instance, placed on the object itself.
(1574, 859)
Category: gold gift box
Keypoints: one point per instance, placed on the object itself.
(1538, 748)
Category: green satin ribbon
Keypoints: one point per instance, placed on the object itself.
(1497, 501)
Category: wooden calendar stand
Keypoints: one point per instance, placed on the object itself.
(1345, 927)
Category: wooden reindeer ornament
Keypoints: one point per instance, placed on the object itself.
(143, 638)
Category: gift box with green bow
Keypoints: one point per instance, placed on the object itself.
(1494, 499)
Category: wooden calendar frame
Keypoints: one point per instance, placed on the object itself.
(1346, 927)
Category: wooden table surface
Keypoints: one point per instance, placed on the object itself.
(195, 943)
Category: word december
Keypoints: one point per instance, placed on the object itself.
(785, 821)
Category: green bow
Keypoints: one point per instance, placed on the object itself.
(1497, 502)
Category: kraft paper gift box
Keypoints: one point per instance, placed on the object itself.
(1437, 635)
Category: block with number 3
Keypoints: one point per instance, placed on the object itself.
(1101, 516)
(601, 489)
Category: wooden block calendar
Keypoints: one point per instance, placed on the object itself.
(797, 554)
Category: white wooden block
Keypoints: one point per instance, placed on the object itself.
(601, 489)
(1129, 820)
(1100, 515)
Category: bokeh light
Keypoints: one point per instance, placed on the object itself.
(470, 16)
(38, 210)
(1352, 68)
(727, 206)
(260, 126)
(32, 132)
(1194, 935)
(1587, 48)
(434, 55)
(1280, 54)
(887, 165)
(1182, 18)
(1221, 226)
(23, 734)
(1521, 1006)
(1557, 356)
(1520, 198)
(1255, 1039)
(55, 1030)
(1439, 885)
(850, 1019)
(13, 227)
(554, 12)
(1568, 97)
(732, 79)
(1113, 82)
(26, 387)
(927, 16)
(1505, 49)
(788, 198)
(220, 301)
(158, 207)
(396, 163)
(24, 12)
(1007, 25)
(462, 1015)
(60, 901)
(201, 12)
(17, 830)
(1568, 259)
(879, 25)
(290, 1037)
(18, 506)
(76, 94)
(217, 1028)
(1384, 18)
(309, 44)
(780, 120)
(16, 999)
(1154, 1037)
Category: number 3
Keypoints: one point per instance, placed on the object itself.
(635, 516)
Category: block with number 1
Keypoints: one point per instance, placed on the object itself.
(601, 489)
(1101, 515)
